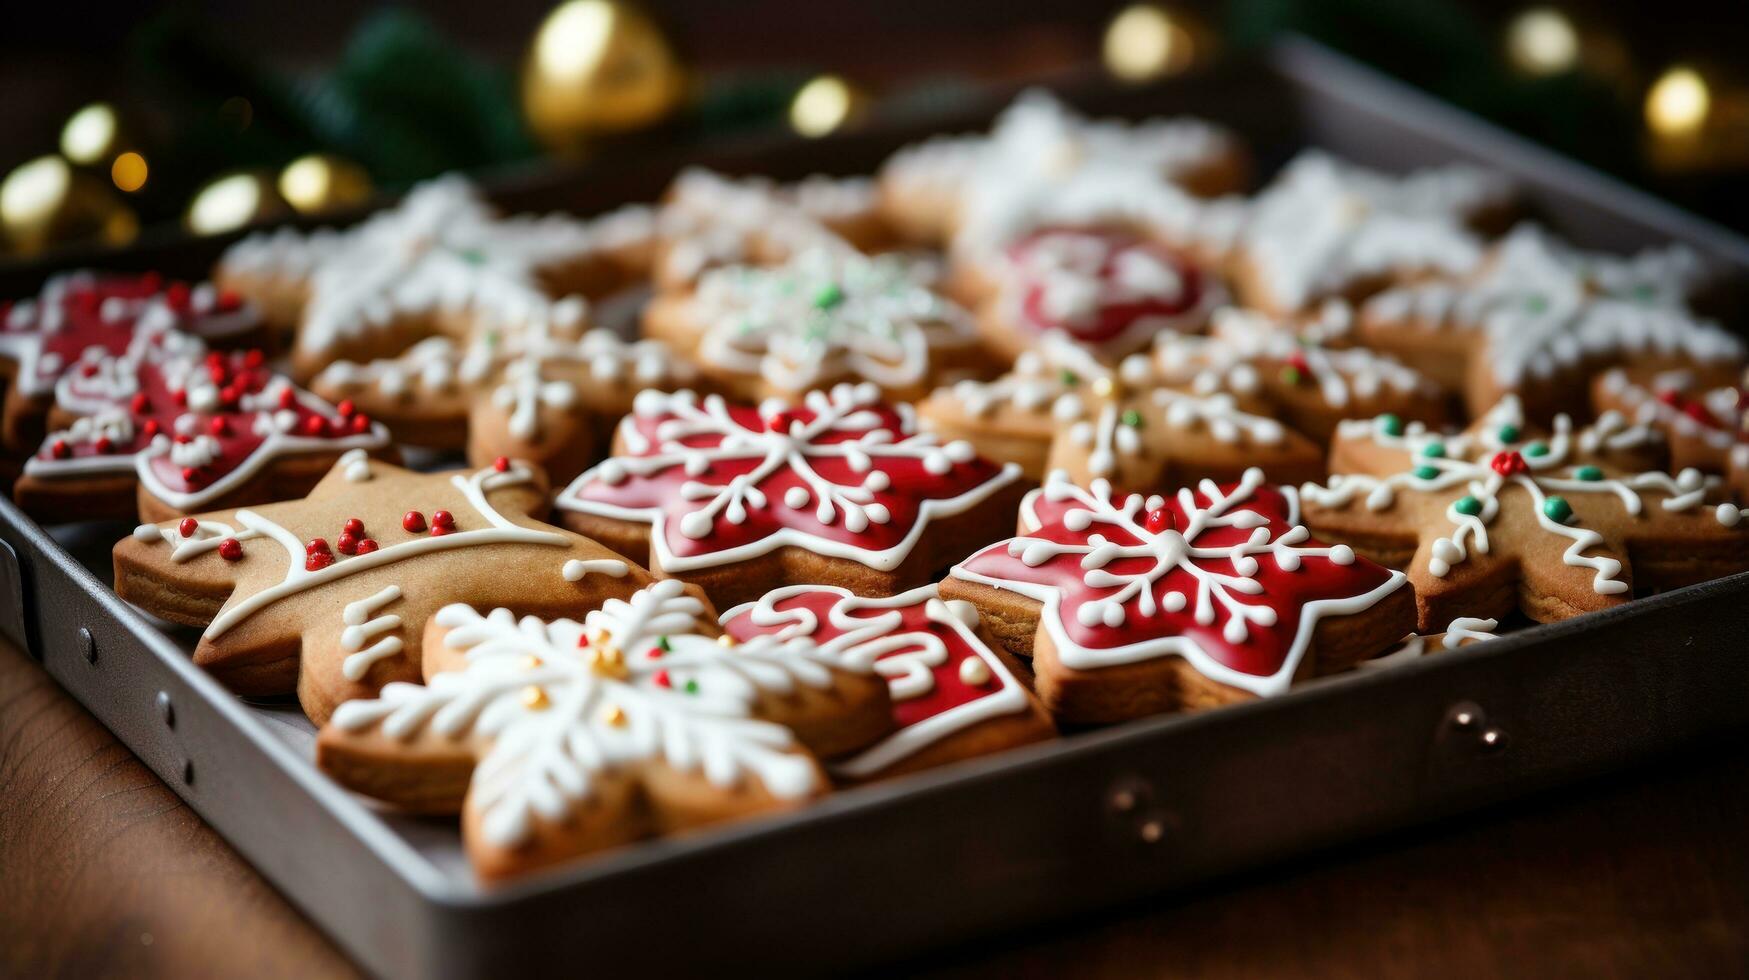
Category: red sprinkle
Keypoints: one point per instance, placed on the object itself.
(88, 370)
(187, 527)
(190, 475)
(413, 522)
(346, 543)
(779, 421)
(254, 357)
(347, 408)
(442, 518)
(318, 561)
(501, 464)
(367, 546)
(439, 530)
(354, 527)
(150, 428)
(60, 449)
(287, 397)
(361, 423)
(140, 404)
(104, 444)
(1159, 519)
(1670, 396)
(231, 549)
(1508, 463)
(183, 440)
(218, 425)
(314, 425)
(177, 296)
(226, 301)
(662, 680)
(316, 546)
(179, 396)
(1699, 413)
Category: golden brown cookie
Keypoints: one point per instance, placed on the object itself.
(1706, 423)
(558, 738)
(1132, 605)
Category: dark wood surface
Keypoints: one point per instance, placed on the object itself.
(104, 872)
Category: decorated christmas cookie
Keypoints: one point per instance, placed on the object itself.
(1504, 517)
(930, 191)
(955, 694)
(1461, 632)
(183, 429)
(1306, 373)
(1538, 318)
(838, 489)
(1134, 605)
(558, 738)
(1707, 427)
(1327, 229)
(1063, 409)
(1109, 291)
(82, 316)
(818, 319)
(328, 595)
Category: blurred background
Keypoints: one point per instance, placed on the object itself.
(125, 117)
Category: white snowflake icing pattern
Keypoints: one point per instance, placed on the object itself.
(561, 703)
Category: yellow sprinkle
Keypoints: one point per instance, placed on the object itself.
(530, 662)
(1104, 387)
(534, 697)
(614, 715)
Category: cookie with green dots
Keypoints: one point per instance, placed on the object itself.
(1507, 517)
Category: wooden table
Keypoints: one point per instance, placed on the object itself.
(103, 871)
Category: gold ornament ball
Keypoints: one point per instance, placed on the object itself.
(598, 66)
(231, 201)
(319, 183)
(47, 202)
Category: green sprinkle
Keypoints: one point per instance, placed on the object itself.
(1468, 506)
(1390, 424)
(830, 295)
(662, 641)
(1132, 418)
(1644, 293)
(1069, 378)
(1557, 509)
(1536, 304)
(692, 687)
(1537, 449)
(1590, 474)
(1290, 375)
(1508, 434)
(1434, 450)
(471, 256)
(1426, 472)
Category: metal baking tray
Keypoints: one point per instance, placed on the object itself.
(889, 870)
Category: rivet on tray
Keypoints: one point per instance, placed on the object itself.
(1466, 716)
(1151, 830)
(166, 710)
(88, 644)
(1493, 740)
(188, 772)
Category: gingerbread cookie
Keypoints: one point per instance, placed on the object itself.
(1305, 373)
(1459, 633)
(954, 689)
(557, 739)
(1061, 408)
(1328, 229)
(82, 317)
(1539, 318)
(169, 428)
(836, 490)
(1134, 605)
(818, 319)
(1707, 427)
(327, 595)
(930, 190)
(1503, 517)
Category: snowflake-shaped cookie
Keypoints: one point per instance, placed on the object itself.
(841, 476)
(1221, 579)
(1557, 513)
(594, 733)
(1707, 426)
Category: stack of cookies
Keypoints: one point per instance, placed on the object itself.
(1032, 430)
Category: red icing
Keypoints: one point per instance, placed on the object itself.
(946, 693)
(346, 543)
(413, 522)
(1097, 254)
(317, 561)
(1265, 650)
(1510, 463)
(367, 546)
(354, 527)
(501, 464)
(316, 546)
(231, 549)
(910, 484)
(187, 527)
(442, 518)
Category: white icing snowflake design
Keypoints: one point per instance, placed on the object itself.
(561, 703)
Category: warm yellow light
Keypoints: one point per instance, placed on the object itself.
(821, 106)
(128, 172)
(574, 37)
(317, 183)
(1678, 103)
(226, 204)
(1542, 41)
(90, 134)
(1144, 41)
(33, 191)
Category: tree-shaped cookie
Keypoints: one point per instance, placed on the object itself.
(1328, 229)
(1538, 319)
(555, 739)
(817, 319)
(1707, 426)
(183, 429)
(1131, 605)
(1504, 517)
(327, 595)
(80, 317)
(1061, 408)
(839, 489)
(955, 693)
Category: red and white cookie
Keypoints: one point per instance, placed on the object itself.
(839, 489)
(955, 693)
(1131, 605)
